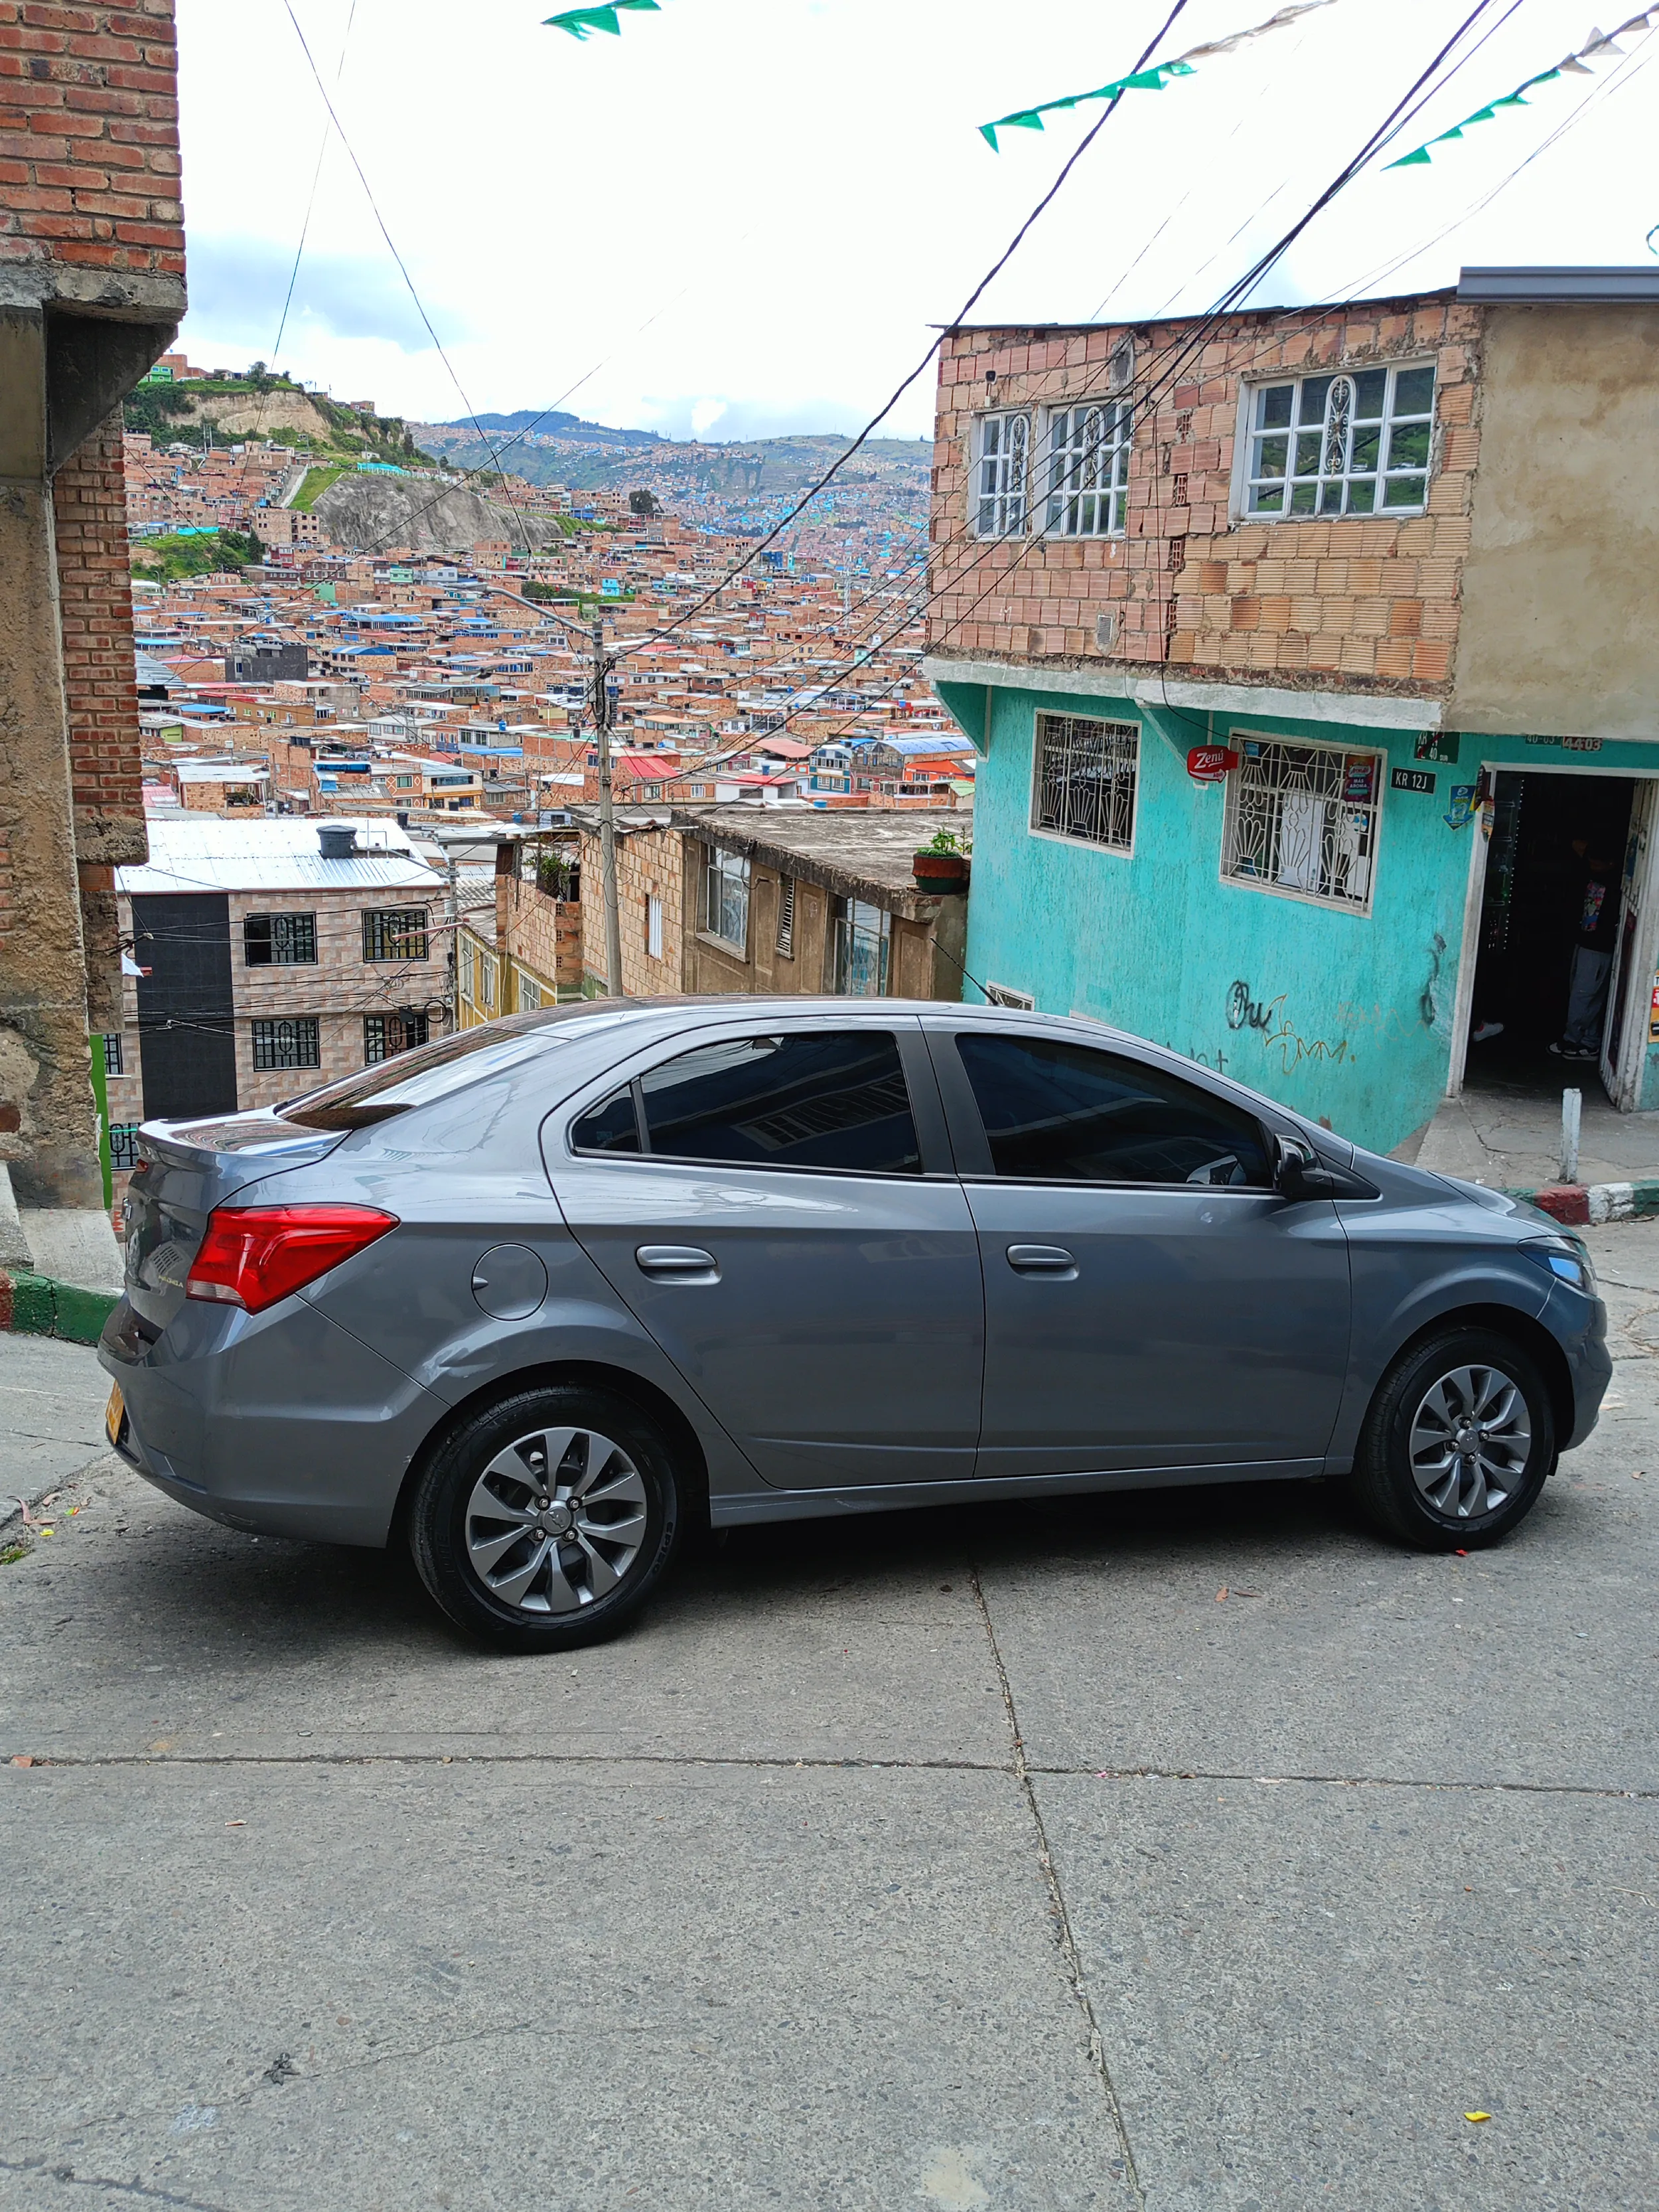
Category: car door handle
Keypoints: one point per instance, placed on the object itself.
(1042, 1259)
(677, 1263)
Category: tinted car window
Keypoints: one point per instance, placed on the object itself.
(611, 1126)
(1067, 1113)
(832, 1099)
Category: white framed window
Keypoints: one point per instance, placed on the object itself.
(999, 995)
(653, 926)
(1089, 469)
(1302, 820)
(1084, 779)
(1003, 475)
(863, 949)
(1353, 441)
(725, 897)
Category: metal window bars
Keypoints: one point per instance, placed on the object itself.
(385, 1036)
(288, 1041)
(1086, 773)
(398, 932)
(1303, 818)
(1354, 442)
(1004, 455)
(1088, 470)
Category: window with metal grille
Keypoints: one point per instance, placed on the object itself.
(114, 1062)
(786, 918)
(291, 1041)
(122, 1145)
(1004, 475)
(1356, 442)
(394, 933)
(1088, 470)
(1083, 786)
(385, 1036)
(279, 940)
(725, 897)
(1302, 819)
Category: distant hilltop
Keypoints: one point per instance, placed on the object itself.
(563, 449)
(551, 424)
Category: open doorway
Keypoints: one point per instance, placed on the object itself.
(1553, 966)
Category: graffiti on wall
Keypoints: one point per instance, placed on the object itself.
(1271, 1018)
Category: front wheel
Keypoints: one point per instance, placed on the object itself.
(1459, 1442)
(547, 1519)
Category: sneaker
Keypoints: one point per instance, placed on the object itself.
(1487, 1031)
(1573, 1052)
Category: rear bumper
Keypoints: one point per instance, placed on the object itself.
(282, 1424)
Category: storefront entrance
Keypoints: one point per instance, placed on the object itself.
(1558, 1001)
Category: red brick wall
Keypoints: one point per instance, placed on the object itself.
(89, 136)
(95, 610)
(1372, 601)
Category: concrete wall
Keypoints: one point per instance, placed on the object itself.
(92, 259)
(1559, 633)
(1340, 1015)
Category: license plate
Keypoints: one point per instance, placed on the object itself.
(114, 1414)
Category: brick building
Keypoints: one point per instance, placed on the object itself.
(92, 270)
(273, 955)
(1269, 630)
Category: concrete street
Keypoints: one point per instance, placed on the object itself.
(982, 1860)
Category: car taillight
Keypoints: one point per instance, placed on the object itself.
(252, 1255)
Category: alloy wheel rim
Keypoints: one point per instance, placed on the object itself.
(555, 1521)
(1471, 1439)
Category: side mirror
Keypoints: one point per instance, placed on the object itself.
(1299, 1173)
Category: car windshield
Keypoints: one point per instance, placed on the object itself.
(433, 1070)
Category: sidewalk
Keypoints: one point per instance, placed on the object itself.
(1509, 1137)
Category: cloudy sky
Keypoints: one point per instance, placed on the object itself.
(740, 216)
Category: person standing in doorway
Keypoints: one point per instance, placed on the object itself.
(1592, 956)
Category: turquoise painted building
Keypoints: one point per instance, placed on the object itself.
(1309, 657)
(1301, 923)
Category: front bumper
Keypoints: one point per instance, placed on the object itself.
(1579, 1326)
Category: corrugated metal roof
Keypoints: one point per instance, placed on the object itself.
(190, 853)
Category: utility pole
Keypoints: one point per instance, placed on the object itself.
(613, 970)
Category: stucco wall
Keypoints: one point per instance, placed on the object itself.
(1340, 1015)
(1558, 627)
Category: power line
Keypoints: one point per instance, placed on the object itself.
(1147, 400)
(967, 305)
(374, 205)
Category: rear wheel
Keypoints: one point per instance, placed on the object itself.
(1459, 1441)
(547, 1519)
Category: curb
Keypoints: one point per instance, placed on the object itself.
(39, 1305)
(1587, 1204)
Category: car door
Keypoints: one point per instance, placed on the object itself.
(1151, 1304)
(775, 1201)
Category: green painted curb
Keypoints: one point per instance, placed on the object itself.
(43, 1307)
(1644, 1199)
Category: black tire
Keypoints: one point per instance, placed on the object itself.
(1451, 1509)
(550, 1588)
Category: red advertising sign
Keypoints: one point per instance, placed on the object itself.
(1209, 763)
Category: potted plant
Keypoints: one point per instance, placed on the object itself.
(943, 865)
